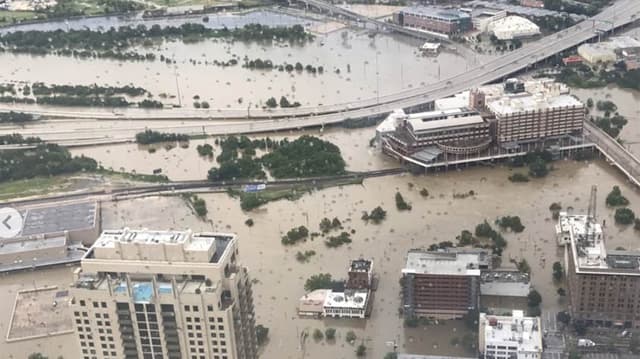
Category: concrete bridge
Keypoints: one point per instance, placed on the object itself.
(614, 152)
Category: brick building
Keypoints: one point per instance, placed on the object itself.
(604, 285)
(360, 274)
(444, 21)
(442, 284)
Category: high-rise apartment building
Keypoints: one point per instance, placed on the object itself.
(143, 294)
(604, 285)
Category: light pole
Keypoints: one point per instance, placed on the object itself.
(249, 110)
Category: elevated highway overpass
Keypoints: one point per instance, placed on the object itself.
(237, 121)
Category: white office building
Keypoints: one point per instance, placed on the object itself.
(510, 337)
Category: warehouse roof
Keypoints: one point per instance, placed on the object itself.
(439, 13)
(420, 125)
(444, 263)
(59, 218)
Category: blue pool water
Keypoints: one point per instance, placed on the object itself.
(142, 292)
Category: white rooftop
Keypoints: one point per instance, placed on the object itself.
(347, 299)
(418, 124)
(456, 101)
(526, 102)
(511, 27)
(586, 240)
(442, 263)
(624, 42)
(159, 245)
(515, 331)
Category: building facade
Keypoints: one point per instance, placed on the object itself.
(360, 275)
(509, 337)
(604, 285)
(143, 294)
(444, 21)
(441, 284)
(451, 131)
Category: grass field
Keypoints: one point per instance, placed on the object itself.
(33, 187)
(9, 17)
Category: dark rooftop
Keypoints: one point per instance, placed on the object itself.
(360, 265)
(57, 219)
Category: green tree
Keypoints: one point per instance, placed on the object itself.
(401, 204)
(558, 271)
(538, 168)
(262, 334)
(284, 103)
(624, 216)
(563, 317)
(391, 355)
(272, 103)
(37, 356)
(615, 198)
(561, 292)
(589, 103)
(534, 298)
(361, 350)
(318, 335)
(330, 333)
(318, 281)
(350, 337)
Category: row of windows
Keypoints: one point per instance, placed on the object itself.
(95, 304)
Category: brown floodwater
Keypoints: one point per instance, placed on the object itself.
(440, 217)
(184, 163)
(628, 102)
(367, 67)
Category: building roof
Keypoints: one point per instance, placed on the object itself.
(515, 330)
(442, 263)
(353, 299)
(360, 265)
(111, 244)
(313, 302)
(588, 251)
(623, 42)
(59, 218)
(418, 356)
(525, 102)
(513, 26)
(505, 283)
(459, 100)
(449, 122)
(435, 12)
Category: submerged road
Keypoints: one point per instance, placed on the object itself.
(235, 121)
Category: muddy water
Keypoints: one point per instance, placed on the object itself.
(628, 102)
(438, 218)
(180, 163)
(368, 67)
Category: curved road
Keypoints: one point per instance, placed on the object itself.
(120, 129)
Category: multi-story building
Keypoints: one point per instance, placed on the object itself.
(604, 285)
(521, 116)
(360, 274)
(509, 337)
(142, 294)
(445, 21)
(442, 284)
(452, 131)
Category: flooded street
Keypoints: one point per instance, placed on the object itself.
(438, 218)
